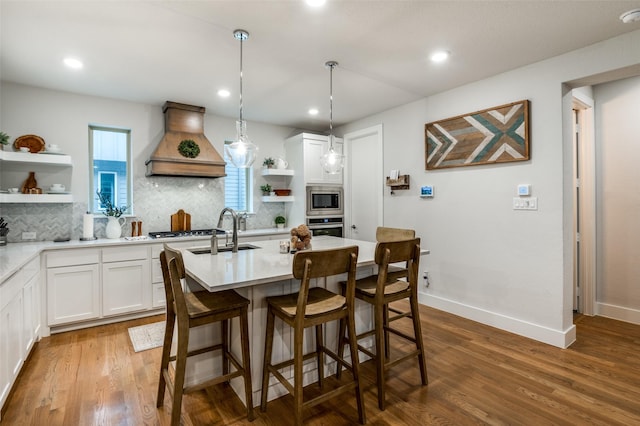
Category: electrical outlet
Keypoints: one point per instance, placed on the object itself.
(425, 278)
(29, 235)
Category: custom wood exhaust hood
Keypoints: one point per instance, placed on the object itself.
(184, 150)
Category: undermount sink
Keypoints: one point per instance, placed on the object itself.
(207, 250)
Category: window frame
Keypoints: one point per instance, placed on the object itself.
(128, 168)
(248, 183)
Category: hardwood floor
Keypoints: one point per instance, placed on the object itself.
(477, 375)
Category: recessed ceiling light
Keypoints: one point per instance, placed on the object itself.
(224, 93)
(630, 16)
(316, 3)
(313, 111)
(74, 63)
(439, 56)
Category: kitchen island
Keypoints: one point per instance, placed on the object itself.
(256, 274)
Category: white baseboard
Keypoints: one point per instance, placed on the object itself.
(558, 338)
(618, 312)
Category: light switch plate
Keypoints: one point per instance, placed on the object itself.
(525, 203)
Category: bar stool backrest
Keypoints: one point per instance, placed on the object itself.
(324, 263)
(385, 234)
(398, 251)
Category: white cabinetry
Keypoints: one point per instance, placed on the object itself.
(49, 169)
(73, 286)
(126, 280)
(19, 322)
(306, 149)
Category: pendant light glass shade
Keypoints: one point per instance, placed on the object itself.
(332, 161)
(241, 152)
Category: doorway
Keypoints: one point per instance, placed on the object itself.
(584, 202)
(364, 186)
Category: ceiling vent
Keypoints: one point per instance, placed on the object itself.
(184, 149)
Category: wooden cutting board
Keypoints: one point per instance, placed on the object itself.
(180, 221)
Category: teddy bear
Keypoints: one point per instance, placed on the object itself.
(300, 237)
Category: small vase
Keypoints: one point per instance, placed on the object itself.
(114, 227)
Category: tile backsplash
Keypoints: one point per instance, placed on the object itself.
(155, 199)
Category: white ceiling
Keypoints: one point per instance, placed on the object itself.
(184, 51)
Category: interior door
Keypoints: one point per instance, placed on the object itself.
(363, 183)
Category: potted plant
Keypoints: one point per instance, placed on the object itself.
(113, 213)
(266, 189)
(269, 162)
(280, 221)
(4, 138)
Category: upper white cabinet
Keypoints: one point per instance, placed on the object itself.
(49, 169)
(306, 149)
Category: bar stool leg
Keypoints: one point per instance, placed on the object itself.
(380, 353)
(224, 334)
(268, 347)
(181, 364)
(298, 354)
(246, 363)
(417, 329)
(355, 364)
(166, 353)
(341, 338)
(320, 355)
(387, 347)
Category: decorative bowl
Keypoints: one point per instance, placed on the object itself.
(282, 192)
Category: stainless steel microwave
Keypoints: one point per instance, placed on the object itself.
(325, 201)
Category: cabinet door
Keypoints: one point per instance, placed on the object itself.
(126, 287)
(31, 314)
(73, 294)
(313, 150)
(10, 344)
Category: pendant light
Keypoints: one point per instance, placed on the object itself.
(332, 162)
(241, 152)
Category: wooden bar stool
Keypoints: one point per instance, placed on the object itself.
(192, 310)
(380, 291)
(312, 307)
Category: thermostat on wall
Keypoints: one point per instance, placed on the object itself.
(524, 189)
(426, 191)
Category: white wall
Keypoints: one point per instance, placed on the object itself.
(63, 118)
(618, 188)
(510, 269)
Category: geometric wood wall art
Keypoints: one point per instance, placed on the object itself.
(494, 135)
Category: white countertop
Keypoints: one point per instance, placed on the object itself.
(15, 255)
(259, 266)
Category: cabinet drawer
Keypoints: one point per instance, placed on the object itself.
(120, 254)
(73, 257)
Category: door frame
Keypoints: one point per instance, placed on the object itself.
(375, 159)
(585, 208)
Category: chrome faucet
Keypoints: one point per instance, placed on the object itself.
(234, 215)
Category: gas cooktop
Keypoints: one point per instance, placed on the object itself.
(192, 233)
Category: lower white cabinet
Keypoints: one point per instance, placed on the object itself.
(125, 287)
(73, 293)
(19, 322)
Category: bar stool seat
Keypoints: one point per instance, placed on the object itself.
(380, 290)
(313, 307)
(190, 310)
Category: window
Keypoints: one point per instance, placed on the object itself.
(237, 186)
(110, 162)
